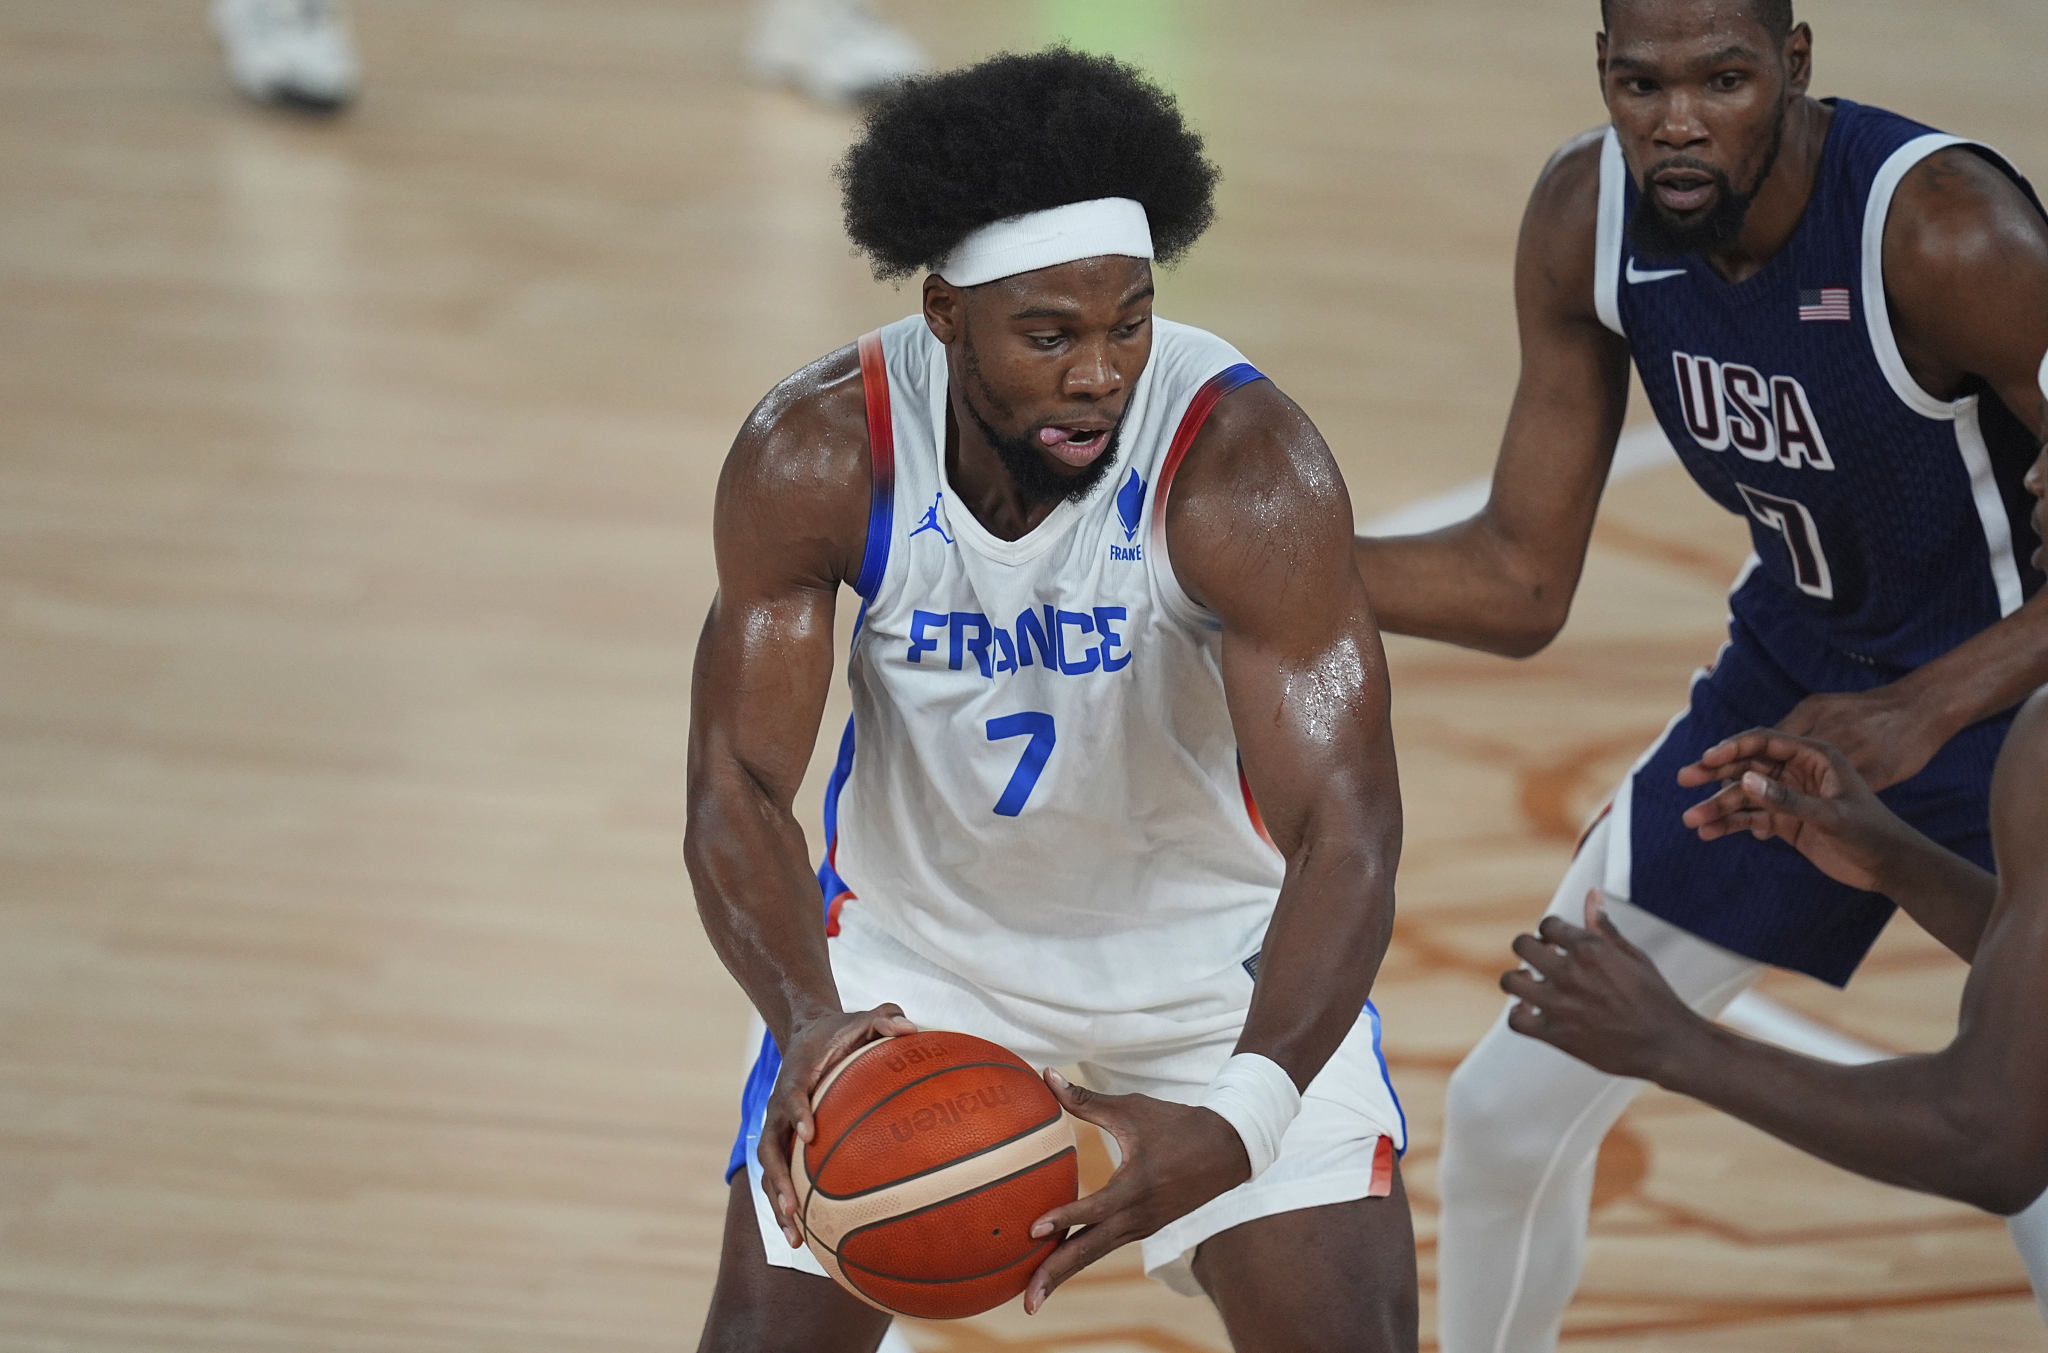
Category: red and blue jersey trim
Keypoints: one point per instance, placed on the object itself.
(874, 380)
(1199, 409)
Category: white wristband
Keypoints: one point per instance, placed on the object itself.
(1257, 1098)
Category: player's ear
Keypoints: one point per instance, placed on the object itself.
(1798, 62)
(1600, 59)
(942, 301)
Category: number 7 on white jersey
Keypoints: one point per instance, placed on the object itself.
(1039, 728)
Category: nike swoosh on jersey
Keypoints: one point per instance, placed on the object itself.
(1635, 278)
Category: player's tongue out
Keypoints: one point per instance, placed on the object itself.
(1074, 446)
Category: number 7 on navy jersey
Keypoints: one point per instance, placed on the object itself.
(1791, 520)
(1037, 727)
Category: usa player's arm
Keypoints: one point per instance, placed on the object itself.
(1503, 580)
(789, 526)
(1966, 279)
(1969, 1122)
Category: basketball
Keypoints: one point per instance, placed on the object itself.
(934, 1153)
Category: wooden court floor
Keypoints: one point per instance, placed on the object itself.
(354, 507)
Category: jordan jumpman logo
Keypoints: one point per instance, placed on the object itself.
(931, 521)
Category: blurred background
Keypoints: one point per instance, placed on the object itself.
(355, 484)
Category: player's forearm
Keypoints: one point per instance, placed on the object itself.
(1910, 1121)
(1464, 585)
(1989, 673)
(1946, 895)
(1321, 955)
(758, 899)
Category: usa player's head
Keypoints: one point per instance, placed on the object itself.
(1699, 92)
(1055, 145)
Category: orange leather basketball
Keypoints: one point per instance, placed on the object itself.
(934, 1154)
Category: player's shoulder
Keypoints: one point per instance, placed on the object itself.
(1186, 361)
(1258, 467)
(1571, 176)
(1557, 259)
(1957, 209)
(1566, 199)
(798, 479)
(809, 434)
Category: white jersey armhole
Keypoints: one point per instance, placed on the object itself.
(903, 483)
(1964, 412)
(1608, 233)
(1877, 315)
(1998, 543)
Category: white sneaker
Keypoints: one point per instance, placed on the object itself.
(289, 51)
(836, 51)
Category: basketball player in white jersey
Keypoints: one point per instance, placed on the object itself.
(1838, 315)
(1119, 791)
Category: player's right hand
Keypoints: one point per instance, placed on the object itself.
(1176, 1157)
(813, 1049)
(1803, 792)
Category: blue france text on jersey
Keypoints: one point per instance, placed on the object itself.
(1889, 526)
(1059, 641)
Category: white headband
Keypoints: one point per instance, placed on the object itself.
(1043, 239)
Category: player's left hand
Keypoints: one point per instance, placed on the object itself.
(1175, 1158)
(1886, 733)
(1595, 996)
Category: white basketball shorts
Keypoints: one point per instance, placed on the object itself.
(1340, 1148)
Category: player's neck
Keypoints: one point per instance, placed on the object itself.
(984, 487)
(1781, 203)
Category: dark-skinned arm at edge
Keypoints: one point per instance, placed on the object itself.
(1969, 1122)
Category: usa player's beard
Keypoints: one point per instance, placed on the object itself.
(1026, 464)
(1657, 235)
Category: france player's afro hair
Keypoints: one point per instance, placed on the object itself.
(949, 153)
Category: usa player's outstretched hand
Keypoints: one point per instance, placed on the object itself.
(1803, 792)
(1593, 995)
(1888, 734)
(814, 1049)
(1175, 1158)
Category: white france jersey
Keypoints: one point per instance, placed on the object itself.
(1040, 791)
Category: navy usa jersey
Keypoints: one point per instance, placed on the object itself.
(1889, 525)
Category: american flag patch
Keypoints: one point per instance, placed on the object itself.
(1827, 303)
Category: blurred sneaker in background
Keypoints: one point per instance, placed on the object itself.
(836, 51)
(296, 52)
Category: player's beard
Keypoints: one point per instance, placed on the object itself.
(1657, 235)
(1026, 465)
